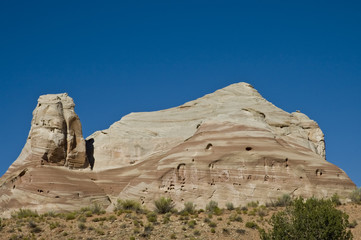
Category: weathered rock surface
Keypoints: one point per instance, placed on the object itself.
(228, 146)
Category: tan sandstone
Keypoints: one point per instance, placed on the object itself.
(229, 146)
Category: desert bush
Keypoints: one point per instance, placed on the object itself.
(355, 196)
(212, 224)
(252, 225)
(192, 223)
(112, 218)
(152, 217)
(97, 209)
(70, 216)
(284, 201)
(24, 213)
(53, 225)
(240, 231)
(212, 208)
(197, 233)
(352, 224)
(253, 204)
(311, 219)
(229, 206)
(2, 225)
(213, 230)
(164, 205)
(128, 205)
(189, 207)
(336, 199)
(34, 227)
(81, 226)
(234, 217)
(50, 214)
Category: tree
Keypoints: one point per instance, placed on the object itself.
(312, 219)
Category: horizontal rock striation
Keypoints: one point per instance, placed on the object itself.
(228, 146)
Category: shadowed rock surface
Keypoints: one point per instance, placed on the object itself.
(228, 146)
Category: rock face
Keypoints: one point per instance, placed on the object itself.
(56, 135)
(228, 146)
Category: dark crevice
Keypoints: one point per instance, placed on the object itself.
(90, 152)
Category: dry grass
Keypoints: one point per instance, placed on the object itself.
(130, 224)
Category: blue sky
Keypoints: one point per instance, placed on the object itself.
(117, 57)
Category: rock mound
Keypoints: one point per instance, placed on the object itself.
(228, 146)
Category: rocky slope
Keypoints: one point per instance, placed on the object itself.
(230, 146)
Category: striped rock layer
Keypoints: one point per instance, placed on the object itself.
(228, 146)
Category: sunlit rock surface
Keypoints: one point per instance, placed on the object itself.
(228, 146)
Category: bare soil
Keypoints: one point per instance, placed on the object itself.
(235, 224)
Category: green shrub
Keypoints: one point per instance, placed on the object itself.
(34, 227)
(252, 225)
(152, 217)
(283, 201)
(253, 204)
(197, 233)
(1, 224)
(81, 226)
(128, 205)
(189, 207)
(164, 205)
(311, 219)
(192, 223)
(213, 230)
(53, 225)
(234, 217)
(212, 208)
(97, 209)
(70, 216)
(240, 231)
(336, 199)
(356, 196)
(230, 206)
(212, 224)
(24, 213)
(225, 231)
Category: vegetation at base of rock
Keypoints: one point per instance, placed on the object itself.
(229, 206)
(335, 199)
(189, 223)
(128, 204)
(95, 208)
(164, 205)
(283, 201)
(189, 207)
(355, 196)
(212, 208)
(24, 213)
(310, 219)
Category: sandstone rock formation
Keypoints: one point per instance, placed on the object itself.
(228, 146)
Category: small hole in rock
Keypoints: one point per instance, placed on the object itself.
(248, 148)
(209, 146)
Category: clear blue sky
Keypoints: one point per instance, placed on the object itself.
(117, 57)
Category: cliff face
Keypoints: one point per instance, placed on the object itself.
(228, 146)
